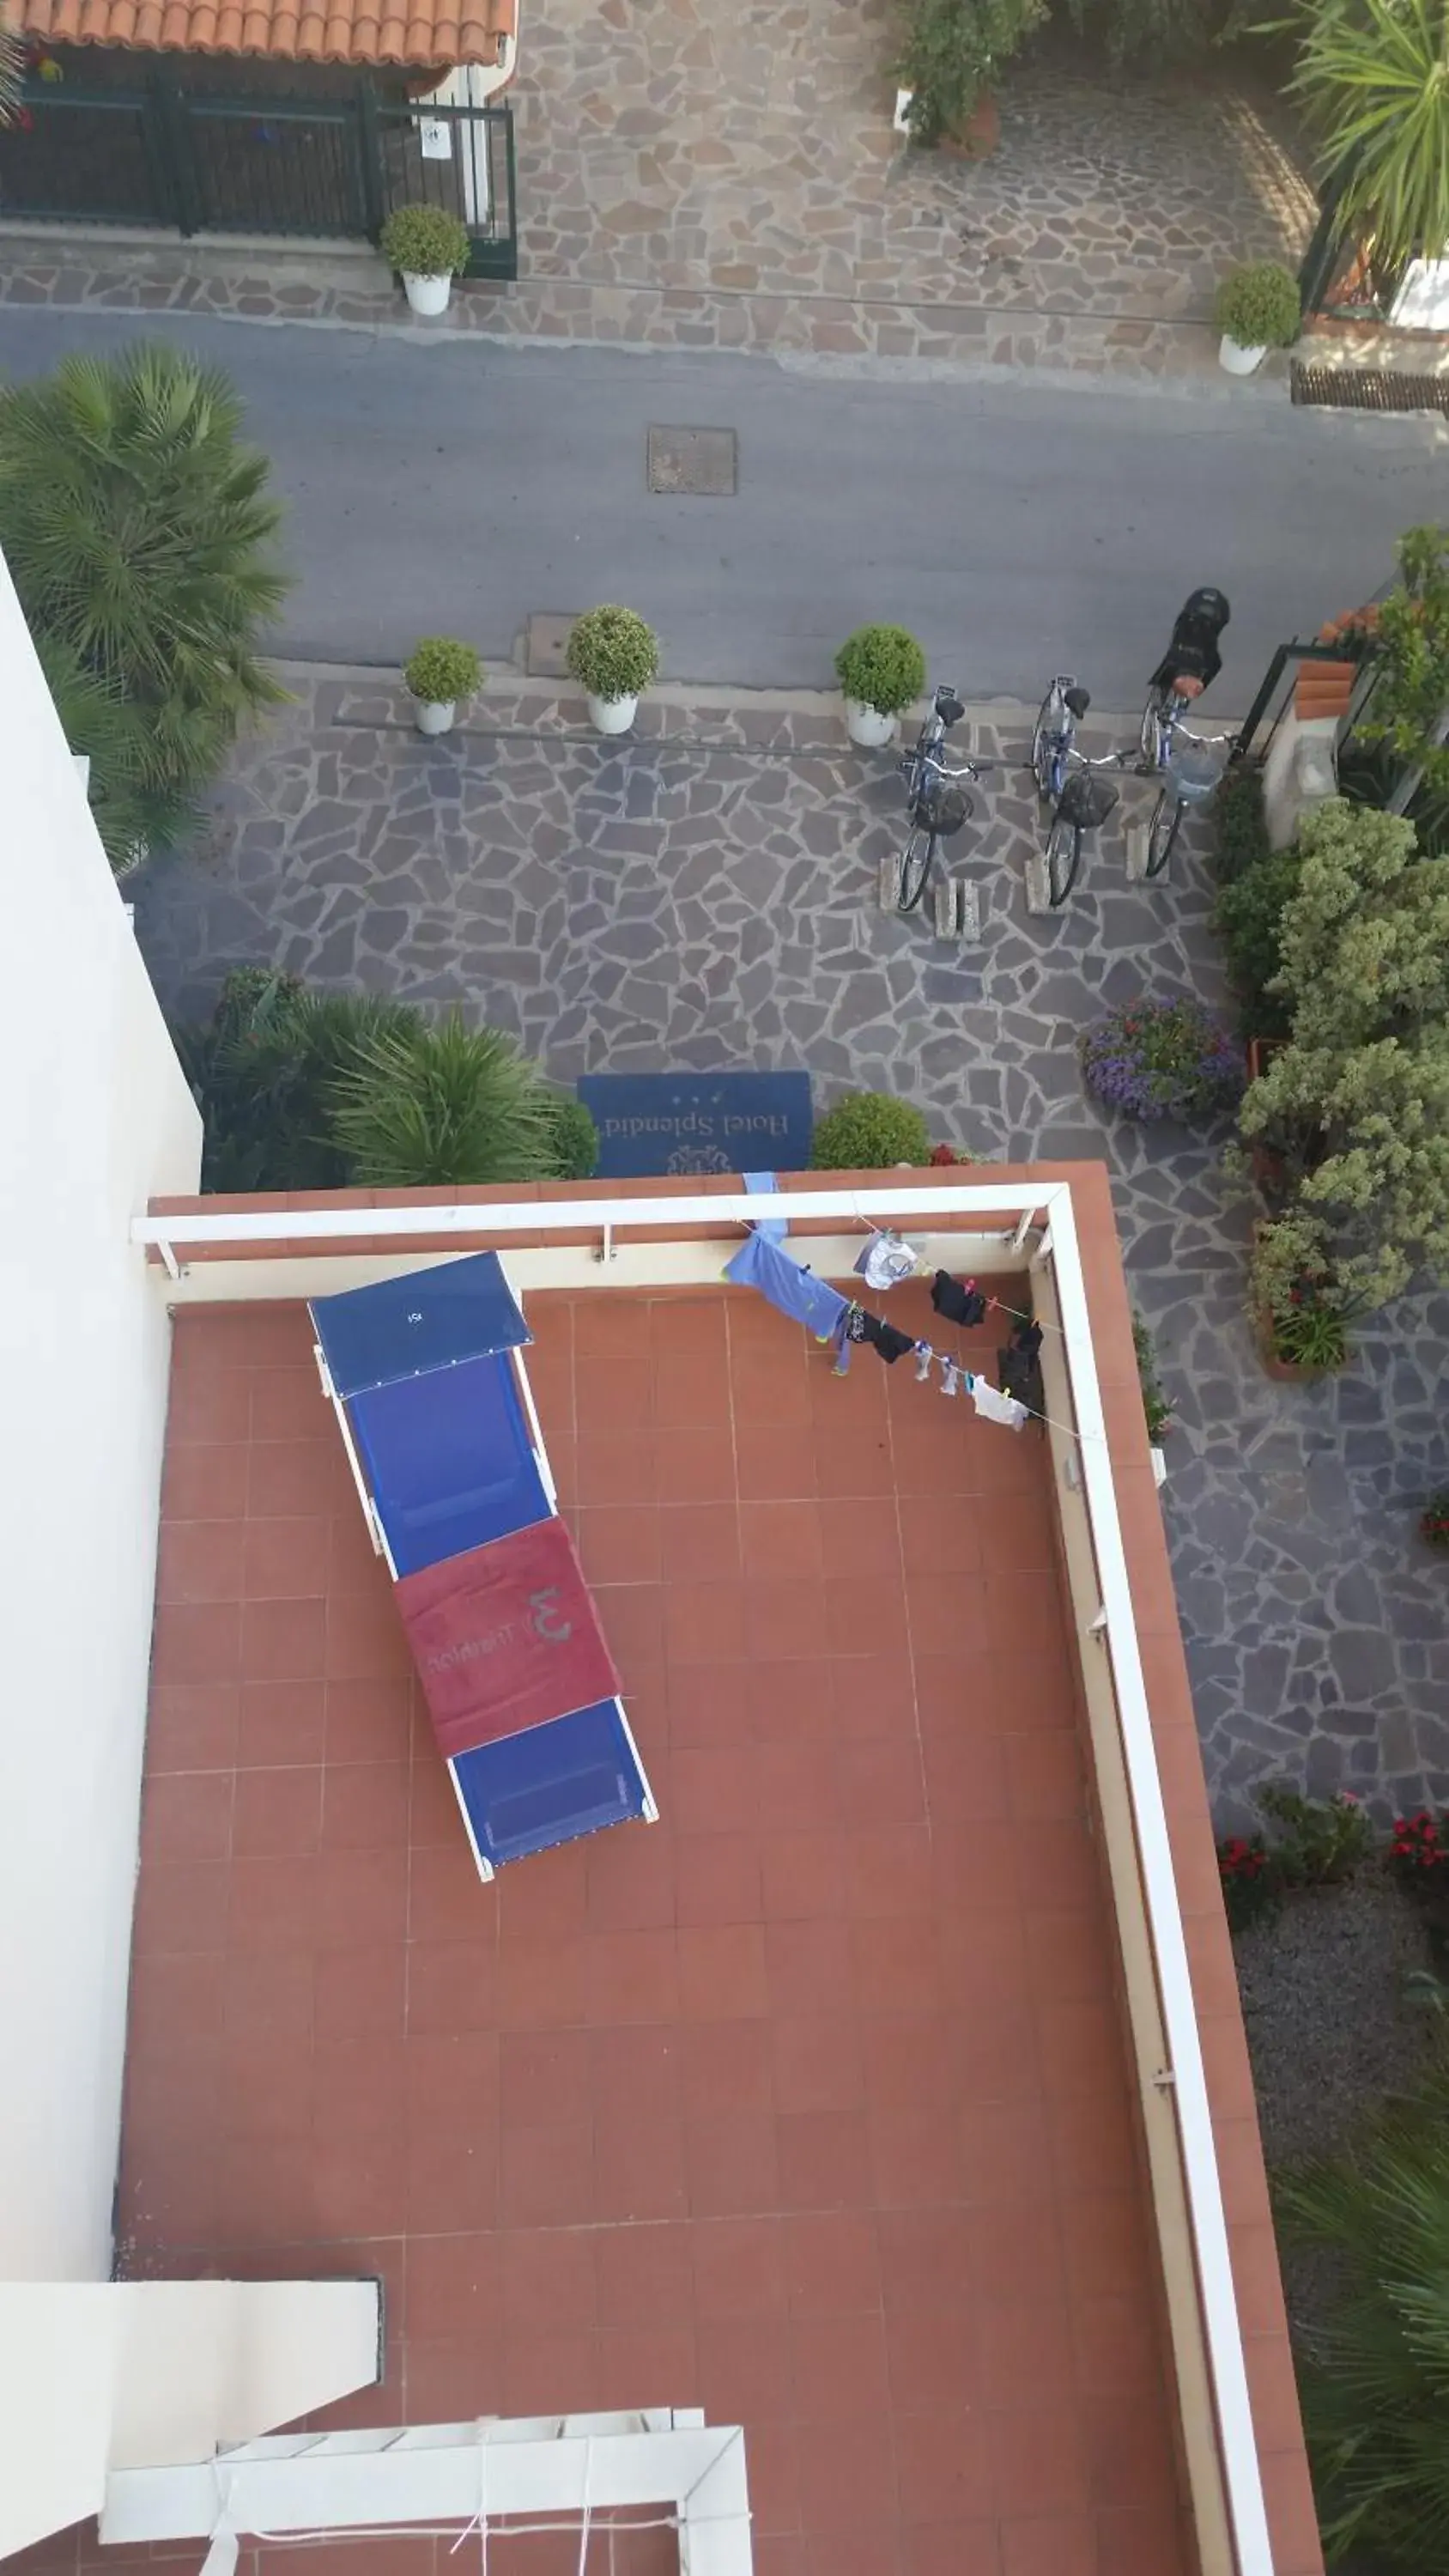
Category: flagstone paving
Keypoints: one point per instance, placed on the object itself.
(697, 178)
(702, 895)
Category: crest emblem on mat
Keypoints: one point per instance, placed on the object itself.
(699, 1158)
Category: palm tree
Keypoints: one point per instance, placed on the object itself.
(264, 1069)
(1373, 76)
(1374, 2376)
(98, 723)
(138, 529)
(439, 1103)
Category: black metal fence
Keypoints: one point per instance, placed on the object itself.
(191, 160)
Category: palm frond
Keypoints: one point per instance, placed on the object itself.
(1374, 82)
(140, 536)
(1375, 2373)
(440, 1103)
(12, 68)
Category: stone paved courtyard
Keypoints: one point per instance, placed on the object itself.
(690, 177)
(702, 896)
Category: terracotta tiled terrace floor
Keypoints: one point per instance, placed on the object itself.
(807, 2104)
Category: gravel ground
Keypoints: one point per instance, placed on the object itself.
(1328, 2030)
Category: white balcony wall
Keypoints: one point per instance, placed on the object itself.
(96, 1117)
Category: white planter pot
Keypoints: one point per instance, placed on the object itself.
(1159, 1465)
(1238, 360)
(612, 715)
(427, 294)
(434, 715)
(867, 726)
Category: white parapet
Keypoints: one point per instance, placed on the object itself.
(455, 2475)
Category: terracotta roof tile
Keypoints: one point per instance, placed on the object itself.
(326, 31)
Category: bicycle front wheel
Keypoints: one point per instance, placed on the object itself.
(916, 860)
(1043, 747)
(1063, 861)
(1163, 831)
(1149, 734)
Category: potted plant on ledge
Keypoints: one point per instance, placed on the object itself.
(439, 672)
(881, 669)
(1257, 309)
(1301, 1326)
(614, 656)
(429, 248)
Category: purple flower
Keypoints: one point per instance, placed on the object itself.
(1162, 1060)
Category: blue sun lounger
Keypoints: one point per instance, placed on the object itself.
(427, 1379)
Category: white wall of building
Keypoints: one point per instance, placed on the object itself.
(96, 1118)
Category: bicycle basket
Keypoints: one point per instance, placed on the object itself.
(1086, 801)
(1193, 771)
(948, 812)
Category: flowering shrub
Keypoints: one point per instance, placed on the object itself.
(1162, 1060)
(1419, 1854)
(1434, 1519)
(1252, 1886)
(1320, 1840)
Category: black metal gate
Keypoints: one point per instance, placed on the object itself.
(1275, 695)
(191, 160)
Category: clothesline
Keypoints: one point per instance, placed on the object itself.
(795, 1291)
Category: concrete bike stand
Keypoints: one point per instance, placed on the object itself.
(1137, 836)
(1038, 895)
(955, 905)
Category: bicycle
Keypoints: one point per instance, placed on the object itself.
(937, 805)
(1190, 665)
(1064, 780)
(1082, 805)
(1053, 734)
(1191, 774)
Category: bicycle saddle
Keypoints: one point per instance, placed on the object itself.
(948, 706)
(1076, 701)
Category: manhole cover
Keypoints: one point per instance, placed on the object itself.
(545, 643)
(1368, 389)
(702, 461)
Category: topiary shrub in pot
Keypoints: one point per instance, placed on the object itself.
(429, 248)
(880, 669)
(1258, 308)
(439, 671)
(869, 1131)
(614, 656)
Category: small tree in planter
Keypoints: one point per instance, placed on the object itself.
(1409, 639)
(880, 669)
(1162, 1060)
(614, 656)
(439, 672)
(1434, 1520)
(869, 1131)
(429, 248)
(1240, 831)
(950, 52)
(1300, 1312)
(1248, 917)
(1257, 309)
(1365, 972)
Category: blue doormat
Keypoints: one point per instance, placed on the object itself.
(698, 1122)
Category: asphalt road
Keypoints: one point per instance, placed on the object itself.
(455, 486)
